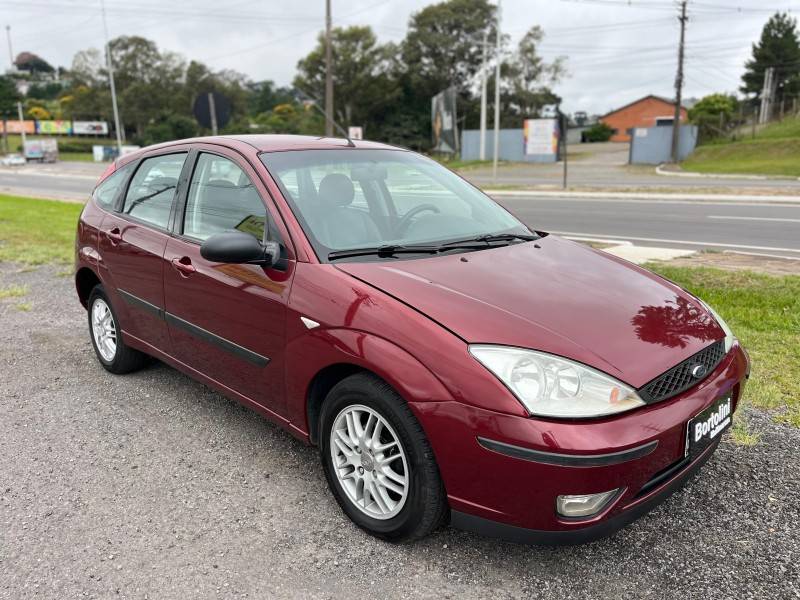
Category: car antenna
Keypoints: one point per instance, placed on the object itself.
(315, 104)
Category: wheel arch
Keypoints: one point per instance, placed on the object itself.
(322, 383)
(85, 281)
(343, 353)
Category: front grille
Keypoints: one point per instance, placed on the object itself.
(679, 378)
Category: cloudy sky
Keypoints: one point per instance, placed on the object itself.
(617, 50)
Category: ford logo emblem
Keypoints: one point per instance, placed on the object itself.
(698, 371)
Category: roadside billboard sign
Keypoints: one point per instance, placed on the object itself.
(443, 121)
(19, 126)
(541, 137)
(90, 128)
(54, 127)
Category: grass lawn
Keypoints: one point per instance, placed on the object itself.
(764, 312)
(767, 156)
(36, 232)
(774, 151)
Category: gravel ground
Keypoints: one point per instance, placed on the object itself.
(152, 486)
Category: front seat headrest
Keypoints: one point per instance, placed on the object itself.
(336, 189)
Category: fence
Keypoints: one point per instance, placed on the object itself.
(653, 145)
(511, 146)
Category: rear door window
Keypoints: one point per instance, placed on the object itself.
(152, 189)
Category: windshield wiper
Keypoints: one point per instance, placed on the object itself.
(480, 242)
(392, 249)
(495, 237)
(385, 250)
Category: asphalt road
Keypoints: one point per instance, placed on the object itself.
(736, 225)
(73, 181)
(152, 486)
(740, 226)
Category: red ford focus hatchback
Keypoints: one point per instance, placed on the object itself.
(449, 362)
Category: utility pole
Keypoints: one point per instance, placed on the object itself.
(328, 72)
(10, 50)
(110, 67)
(484, 78)
(21, 126)
(212, 110)
(676, 123)
(767, 93)
(496, 98)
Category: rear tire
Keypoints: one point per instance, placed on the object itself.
(378, 462)
(112, 352)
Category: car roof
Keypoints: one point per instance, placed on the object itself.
(266, 143)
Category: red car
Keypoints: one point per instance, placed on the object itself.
(450, 363)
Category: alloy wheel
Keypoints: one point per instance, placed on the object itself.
(104, 329)
(369, 462)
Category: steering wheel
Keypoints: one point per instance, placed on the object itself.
(405, 221)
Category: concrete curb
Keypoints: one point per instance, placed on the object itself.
(676, 196)
(661, 171)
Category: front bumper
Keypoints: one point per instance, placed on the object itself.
(495, 492)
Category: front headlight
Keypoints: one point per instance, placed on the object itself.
(729, 337)
(551, 386)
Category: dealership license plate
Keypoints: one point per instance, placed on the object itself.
(709, 425)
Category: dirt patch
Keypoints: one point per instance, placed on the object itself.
(733, 261)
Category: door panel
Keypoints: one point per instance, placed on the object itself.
(132, 244)
(133, 256)
(226, 320)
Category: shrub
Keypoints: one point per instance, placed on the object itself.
(599, 132)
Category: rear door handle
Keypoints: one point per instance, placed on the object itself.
(115, 235)
(183, 265)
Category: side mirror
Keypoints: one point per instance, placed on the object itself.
(238, 247)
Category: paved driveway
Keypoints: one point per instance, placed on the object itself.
(152, 486)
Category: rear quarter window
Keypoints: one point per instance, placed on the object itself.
(105, 193)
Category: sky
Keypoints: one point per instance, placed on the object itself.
(616, 50)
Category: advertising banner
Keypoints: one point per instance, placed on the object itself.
(443, 121)
(54, 127)
(90, 128)
(541, 137)
(44, 150)
(19, 126)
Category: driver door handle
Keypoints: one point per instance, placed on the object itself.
(114, 234)
(183, 265)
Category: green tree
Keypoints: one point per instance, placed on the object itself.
(529, 77)
(169, 127)
(715, 115)
(779, 47)
(291, 118)
(8, 96)
(265, 95)
(32, 63)
(148, 82)
(444, 45)
(363, 88)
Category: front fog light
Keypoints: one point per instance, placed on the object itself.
(583, 505)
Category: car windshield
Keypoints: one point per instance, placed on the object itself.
(390, 199)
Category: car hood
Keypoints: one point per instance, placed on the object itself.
(555, 296)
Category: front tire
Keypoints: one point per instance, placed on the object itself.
(378, 462)
(112, 352)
